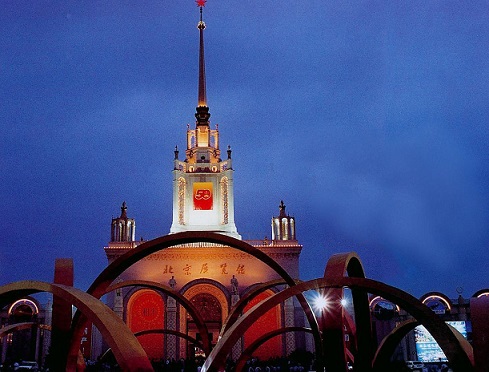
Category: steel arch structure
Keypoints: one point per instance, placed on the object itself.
(458, 351)
(20, 326)
(338, 266)
(247, 353)
(170, 332)
(119, 265)
(390, 342)
(187, 305)
(127, 350)
(163, 331)
(238, 308)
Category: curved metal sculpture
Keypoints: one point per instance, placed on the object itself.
(457, 351)
(119, 265)
(243, 301)
(248, 352)
(127, 350)
(481, 292)
(439, 297)
(164, 331)
(170, 332)
(199, 321)
(9, 328)
(332, 326)
(390, 342)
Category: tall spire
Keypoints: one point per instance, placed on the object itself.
(202, 91)
(202, 114)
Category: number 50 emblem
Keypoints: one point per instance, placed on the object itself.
(202, 195)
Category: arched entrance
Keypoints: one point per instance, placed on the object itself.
(146, 312)
(268, 322)
(24, 342)
(212, 305)
(210, 309)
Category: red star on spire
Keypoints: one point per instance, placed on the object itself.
(201, 3)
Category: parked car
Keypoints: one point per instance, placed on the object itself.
(26, 365)
(415, 365)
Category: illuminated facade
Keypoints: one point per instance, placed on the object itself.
(212, 277)
(29, 334)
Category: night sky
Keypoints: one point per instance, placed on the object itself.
(368, 118)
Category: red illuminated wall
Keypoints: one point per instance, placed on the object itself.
(268, 322)
(146, 311)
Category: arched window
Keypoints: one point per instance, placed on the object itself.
(146, 310)
(285, 229)
(292, 228)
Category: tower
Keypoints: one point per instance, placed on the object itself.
(283, 226)
(203, 196)
(123, 228)
(211, 277)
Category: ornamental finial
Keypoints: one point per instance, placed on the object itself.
(200, 3)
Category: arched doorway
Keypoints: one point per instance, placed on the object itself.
(211, 311)
(146, 312)
(268, 322)
(212, 305)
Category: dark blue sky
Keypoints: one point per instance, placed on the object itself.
(368, 118)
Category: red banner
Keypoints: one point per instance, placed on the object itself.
(203, 199)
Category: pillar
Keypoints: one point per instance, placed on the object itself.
(60, 334)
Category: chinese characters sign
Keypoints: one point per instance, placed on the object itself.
(202, 195)
(206, 268)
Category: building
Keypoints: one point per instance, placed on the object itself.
(211, 277)
(26, 331)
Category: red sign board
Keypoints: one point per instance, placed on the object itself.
(202, 195)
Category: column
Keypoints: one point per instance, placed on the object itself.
(171, 324)
(289, 313)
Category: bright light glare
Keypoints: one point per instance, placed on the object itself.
(320, 303)
(344, 302)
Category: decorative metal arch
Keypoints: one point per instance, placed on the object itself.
(243, 301)
(248, 352)
(127, 350)
(170, 332)
(164, 331)
(199, 321)
(119, 265)
(20, 326)
(458, 351)
(333, 340)
(24, 301)
(481, 292)
(440, 296)
(390, 342)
